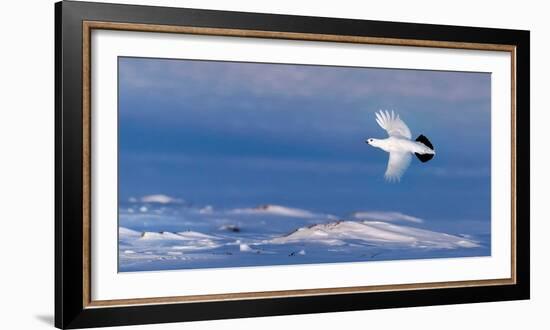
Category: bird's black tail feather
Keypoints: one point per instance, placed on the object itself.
(424, 157)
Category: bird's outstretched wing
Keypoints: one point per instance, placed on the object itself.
(397, 164)
(393, 124)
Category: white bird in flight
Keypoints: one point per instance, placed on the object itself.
(399, 145)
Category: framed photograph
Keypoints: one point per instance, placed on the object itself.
(215, 164)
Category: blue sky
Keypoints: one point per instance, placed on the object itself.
(241, 134)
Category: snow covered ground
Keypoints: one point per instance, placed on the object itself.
(162, 233)
(374, 233)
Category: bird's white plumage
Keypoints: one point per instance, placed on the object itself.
(399, 144)
(397, 164)
(393, 124)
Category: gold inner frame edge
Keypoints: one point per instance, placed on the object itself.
(88, 26)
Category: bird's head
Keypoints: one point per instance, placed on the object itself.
(373, 142)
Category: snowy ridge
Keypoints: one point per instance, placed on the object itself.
(156, 198)
(279, 210)
(374, 233)
(385, 216)
(159, 241)
(163, 235)
(125, 233)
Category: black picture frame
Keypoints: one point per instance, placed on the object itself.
(70, 307)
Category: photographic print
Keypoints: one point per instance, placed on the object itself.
(234, 164)
(303, 160)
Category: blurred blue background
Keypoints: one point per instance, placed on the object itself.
(241, 134)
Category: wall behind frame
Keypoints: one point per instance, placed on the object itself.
(27, 168)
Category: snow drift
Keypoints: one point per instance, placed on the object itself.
(374, 233)
(278, 210)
